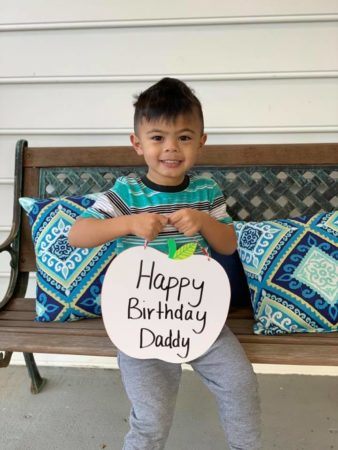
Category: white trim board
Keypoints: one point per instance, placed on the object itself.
(305, 74)
(172, 22)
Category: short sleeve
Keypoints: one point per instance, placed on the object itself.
(98, 210)
(105, 206)
(218, 206)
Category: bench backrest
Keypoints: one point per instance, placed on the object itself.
(259, 181)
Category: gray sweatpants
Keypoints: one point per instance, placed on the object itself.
(152, 386)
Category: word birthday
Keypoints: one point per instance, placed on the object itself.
(186, 294)
(165, 312)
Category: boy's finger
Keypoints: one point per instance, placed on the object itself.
(177, 224)
(164, 220)
(175, 217)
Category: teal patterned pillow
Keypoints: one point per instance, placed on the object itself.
(291, 267)
(69, 279)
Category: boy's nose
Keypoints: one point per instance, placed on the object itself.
(171, 145)
(171, 149)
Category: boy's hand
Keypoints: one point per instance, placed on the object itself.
(187, 221)
(147, 225)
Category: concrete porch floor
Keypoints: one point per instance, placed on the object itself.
(87, 409)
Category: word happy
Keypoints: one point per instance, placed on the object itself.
(169, 285)
(171, 289)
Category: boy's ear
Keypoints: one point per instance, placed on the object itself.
(203, 140)
(136, 143)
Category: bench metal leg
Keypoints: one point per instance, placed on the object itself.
(37, 381)
(5, 359)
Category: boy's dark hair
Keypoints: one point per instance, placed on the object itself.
(166, 99)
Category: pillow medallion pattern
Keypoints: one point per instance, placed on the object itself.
(69, 279)
(291, 267)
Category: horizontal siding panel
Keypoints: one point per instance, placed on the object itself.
(6, 199)
(7, 154)
(63, 10)
(278, 103)
(4, 232)
(239, 49)
(4, 259)
(31, 289)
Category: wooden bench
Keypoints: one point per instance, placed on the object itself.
(260, 182)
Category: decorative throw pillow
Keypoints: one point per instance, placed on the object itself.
(292, 271)
(69, 279)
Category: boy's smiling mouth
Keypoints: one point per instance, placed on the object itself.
(171, 162)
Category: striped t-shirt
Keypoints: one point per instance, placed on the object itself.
(135, 195)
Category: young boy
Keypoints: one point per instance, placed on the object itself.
(167, 203)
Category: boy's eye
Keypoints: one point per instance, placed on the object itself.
(156, 138)
(185, 138)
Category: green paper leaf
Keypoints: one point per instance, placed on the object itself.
(172, 248)
(185, 251)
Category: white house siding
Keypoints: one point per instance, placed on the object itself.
(266, 72)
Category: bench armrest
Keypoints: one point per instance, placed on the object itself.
(12, 243)
(11, 246)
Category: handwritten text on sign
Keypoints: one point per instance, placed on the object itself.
(156, 307)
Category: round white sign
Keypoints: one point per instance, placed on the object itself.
(157, 307)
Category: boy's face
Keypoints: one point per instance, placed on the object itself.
(170, 149)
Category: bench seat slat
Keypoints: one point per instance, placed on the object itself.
(95, 326)
(53, 343)
(244, 335)
(38, 331)
(101, 346)
(90, 324)
(19, 318)
(21, 304)
(17, 315)
(293, 354)
(239, 326)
